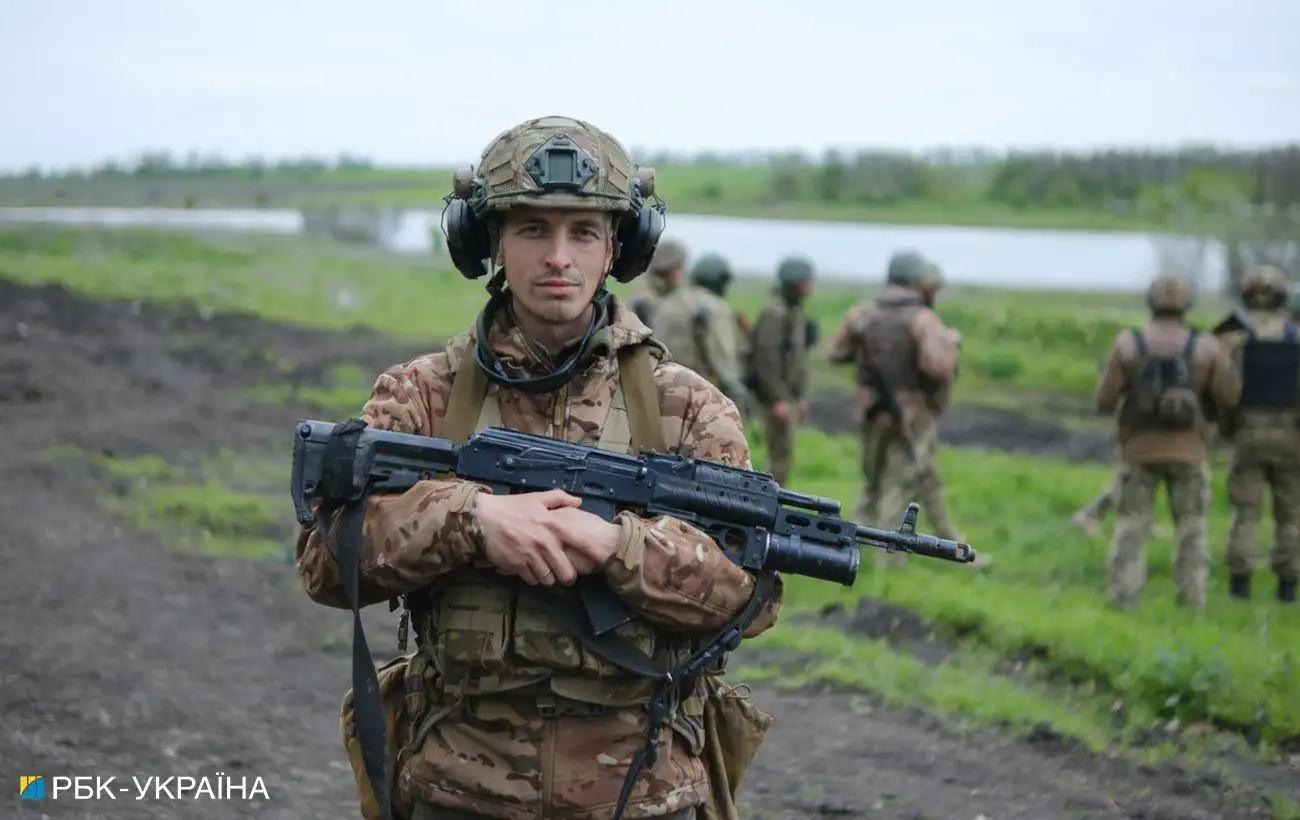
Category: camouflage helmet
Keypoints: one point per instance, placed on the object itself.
(1170, 293)
(556, 161)
(669, 256)
(794, 270)
(906, 268)
(1265, 279)
(711, 271)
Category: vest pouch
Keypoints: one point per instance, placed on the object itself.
(538, 640)
(734, 729)
(473, 623)
(392, 692)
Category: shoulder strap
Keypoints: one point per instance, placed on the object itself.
(1141, 343)
(637, 378)
(1189, 352)
(469, 387)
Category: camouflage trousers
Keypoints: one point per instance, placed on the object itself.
(1188, 486)
(424, 811)
(894, 477)
(779, 434)
(1254, 470)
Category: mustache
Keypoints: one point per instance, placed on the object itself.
(556, 278)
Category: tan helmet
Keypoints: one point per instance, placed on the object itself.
(1170, 293)
(1265, 281)
(669, 256)
(558, 162)
(553, 162)
(931, 278)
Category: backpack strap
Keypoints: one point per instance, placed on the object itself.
(1189, 352)
(1141, 343)
(469, 387)
(637, 378)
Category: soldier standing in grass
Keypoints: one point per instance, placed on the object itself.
(699, 328)
(907, 362)
(780, 362)
(500, 712)
(1265, 430)
(1165, 383)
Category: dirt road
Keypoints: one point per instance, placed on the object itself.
(122, 656)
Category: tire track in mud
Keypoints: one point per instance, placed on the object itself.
(122, 656)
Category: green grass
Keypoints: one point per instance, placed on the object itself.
(1044, 594)
(722, 189)
(1043, 597)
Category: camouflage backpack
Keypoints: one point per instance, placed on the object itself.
(1164, 397)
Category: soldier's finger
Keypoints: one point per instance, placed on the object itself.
(557, 562)
(558, 499)
(540, 570)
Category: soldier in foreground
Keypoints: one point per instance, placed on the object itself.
(1166, 383)
(907, 362)
(700, 330)
(666, 268)
(1265, 430)
(780, 362)
(504, 714)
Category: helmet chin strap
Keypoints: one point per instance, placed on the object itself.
(490, 363)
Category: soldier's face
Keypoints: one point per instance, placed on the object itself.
(555, 260)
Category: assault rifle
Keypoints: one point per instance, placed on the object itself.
(760, 525)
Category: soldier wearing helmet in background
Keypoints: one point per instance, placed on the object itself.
(1166, 384)
(907, 362)
(1265, 430)
(506, 709)
(699, 328)
(665, 272)
(779, 362)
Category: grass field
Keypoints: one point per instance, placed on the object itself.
(1036, 639)
(730, 190)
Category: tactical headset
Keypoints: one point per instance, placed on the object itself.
(558, 165)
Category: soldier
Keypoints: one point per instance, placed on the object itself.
(1168, 382)
(700, 331)
(780, 362)
(500, 713)
(1265, 430)
(1293, 305)
(666, 270)
(907, 361)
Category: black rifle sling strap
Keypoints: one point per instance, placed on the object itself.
(339, 492)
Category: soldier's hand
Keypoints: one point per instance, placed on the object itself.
(593, 538)
(781, 409)
(520, 536)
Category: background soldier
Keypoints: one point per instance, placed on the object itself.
(780, 362)
(907, 361)
(1293, 305)
(1163, 379)
(666, 270)
(699, 328)
(1265, 429)
(515, 718)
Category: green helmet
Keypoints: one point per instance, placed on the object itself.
(794, 270)
(907, 268)
(711, 271)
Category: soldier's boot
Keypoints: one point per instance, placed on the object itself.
(1239, 587)
(1286, 591)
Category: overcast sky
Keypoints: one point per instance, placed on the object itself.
(431, 81)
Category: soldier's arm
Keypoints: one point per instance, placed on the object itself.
(841, 345)
(407, 539)
(670, 571)
(768, 367)
(1224, 383)
(937, 347)
(724, 353)
(1113, 379)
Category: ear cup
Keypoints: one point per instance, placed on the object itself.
(468, 243)
(637, 239)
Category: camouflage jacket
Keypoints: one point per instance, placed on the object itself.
(895, 330)
(700, 331)
(485, 755)
(780, 352)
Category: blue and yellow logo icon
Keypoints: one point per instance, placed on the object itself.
(31, 787)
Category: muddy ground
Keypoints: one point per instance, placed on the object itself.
(122, 656)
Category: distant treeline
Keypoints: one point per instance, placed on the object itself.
(1205, 178)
